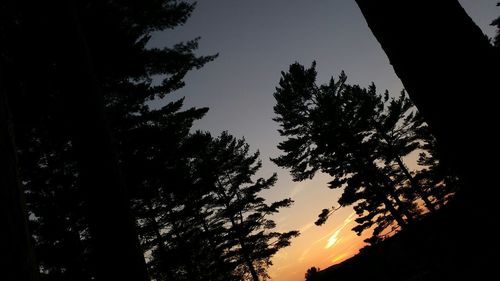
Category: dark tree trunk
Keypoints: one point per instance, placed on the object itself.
(111, 223)
(447, 65)
(16, 252)
(245, 253)
(244, 250)
(248, 261)
(388, 191)
(451, 72)
(415, 186)
(382, 196)
(159, 239)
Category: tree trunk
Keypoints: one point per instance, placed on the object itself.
(111, 223)
(396, 214)
(415, 185)
(447, 65)
(248, 261)
(245, 253)
(159, 239)
(389, 190)
(16, 252)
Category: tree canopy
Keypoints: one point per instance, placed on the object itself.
(358, 137)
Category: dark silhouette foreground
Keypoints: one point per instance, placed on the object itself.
(440, 247)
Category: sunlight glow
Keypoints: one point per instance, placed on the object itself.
(339, 258)
(333, 239)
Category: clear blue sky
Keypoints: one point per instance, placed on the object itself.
(257, 40)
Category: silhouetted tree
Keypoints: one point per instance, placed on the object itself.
(17, 253)
(312, 274)
(496, 23)
(207, 221)
(359, 138)
(244, 213)
(100, 51)
(329, 129)
(18, 262)
(175, 216)
(435, 177)
(431, 46)
(400, 131)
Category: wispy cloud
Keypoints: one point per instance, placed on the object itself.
(334, 238)
(349, 219)
(298, 188)
(306, 227)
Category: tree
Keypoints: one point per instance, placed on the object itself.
(243, 212)
(102, 35)
(431, 49)
(435, 178)
(356, 136)
(175, 216)
(327, 129)
(496, 23)
(401, 131)
(16, 246)
(208, 215)
(17, 253)
(312, 274)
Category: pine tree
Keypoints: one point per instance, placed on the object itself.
(18, 262)
(113, 31)
(176, 218)
(312, 274)
(435, 178)
(496, 23)
(399, 132)
(328, 128)
(430, 50)
(17, 252)
(244, 213)
(360, 139)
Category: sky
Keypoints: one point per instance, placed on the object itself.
(258, 39)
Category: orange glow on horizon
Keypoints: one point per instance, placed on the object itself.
(340, 258)
(318, 246)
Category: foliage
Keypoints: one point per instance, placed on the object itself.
(358, 137)
(312, 274)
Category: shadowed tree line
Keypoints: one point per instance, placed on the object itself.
(117, 189)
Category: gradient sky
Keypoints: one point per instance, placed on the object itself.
(258, 39)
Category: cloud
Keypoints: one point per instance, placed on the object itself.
(349, 219)
(306, 227)
(334, 237)
(298, 188)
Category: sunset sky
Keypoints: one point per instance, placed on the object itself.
(258, 39)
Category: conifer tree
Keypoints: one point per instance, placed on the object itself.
(496, 23)
(443, 45)
(116, 34)
(328, 128)
(400, 131)
(358, 137)
(251, 239)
